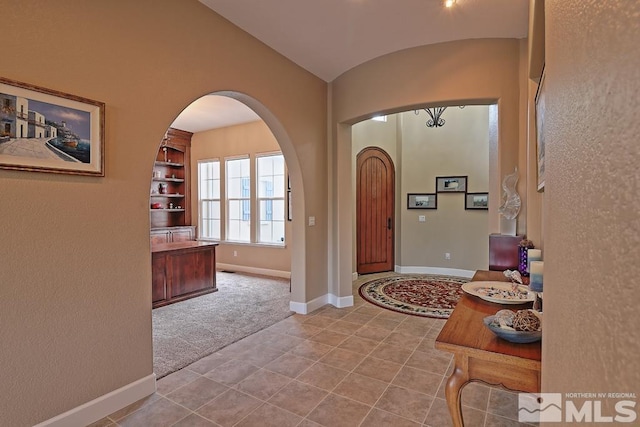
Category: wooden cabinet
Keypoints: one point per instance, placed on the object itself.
(173, 234)
(170, 186)
(503, 252)
(182, 270)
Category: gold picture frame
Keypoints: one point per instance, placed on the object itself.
(44, 130)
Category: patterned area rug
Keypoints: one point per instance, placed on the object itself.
(423, 295)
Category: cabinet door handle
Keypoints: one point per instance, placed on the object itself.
(388, 223)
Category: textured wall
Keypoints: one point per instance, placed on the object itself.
(75, 264)
(591, 220)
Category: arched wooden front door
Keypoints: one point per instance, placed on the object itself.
(375, 196)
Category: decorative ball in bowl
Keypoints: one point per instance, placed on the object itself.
(510, 334)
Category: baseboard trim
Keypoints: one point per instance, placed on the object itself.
(102, 406)
(341, 302)
(254, 270)
(435, 270)
(308, 307)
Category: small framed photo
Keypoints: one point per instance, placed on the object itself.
(422, 201)
(451, 184)
(476, 201)
(44, 130)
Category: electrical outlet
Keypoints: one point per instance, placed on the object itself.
(447, 255)
(235, 253)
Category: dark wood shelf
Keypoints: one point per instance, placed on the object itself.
(171, 164)
(168, 179)
(178, 196)
(167, 210)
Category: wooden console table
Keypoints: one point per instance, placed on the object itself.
(480, 355)
(182, 270)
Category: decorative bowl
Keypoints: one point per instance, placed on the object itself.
(511, 335)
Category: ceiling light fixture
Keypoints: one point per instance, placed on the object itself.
(435, 113)
(449, 3)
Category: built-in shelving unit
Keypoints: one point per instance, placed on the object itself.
(169, 194)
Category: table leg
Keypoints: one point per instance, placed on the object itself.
(453, 390)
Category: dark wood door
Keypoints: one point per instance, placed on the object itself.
(375, 196)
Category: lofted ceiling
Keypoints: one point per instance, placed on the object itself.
(329, 37)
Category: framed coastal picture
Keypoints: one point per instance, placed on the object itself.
(422, 201)
(540, 144)
(478, 201)
(44, 130)
(451, 184)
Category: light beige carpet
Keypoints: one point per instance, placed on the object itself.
(189, 330)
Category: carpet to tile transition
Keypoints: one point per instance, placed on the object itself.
(189, 330)
(421, 295)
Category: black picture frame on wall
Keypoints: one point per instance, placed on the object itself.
(451, 184)
(476, 201)
(422, 201)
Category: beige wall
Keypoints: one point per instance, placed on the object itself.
(591, 221)
(250, 138)
(75, 274)
(461, 147)
(466, 72)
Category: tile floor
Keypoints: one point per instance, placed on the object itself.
(358, 366)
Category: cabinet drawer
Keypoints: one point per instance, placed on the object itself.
(160, 237)
(182, 235)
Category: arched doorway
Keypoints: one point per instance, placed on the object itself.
(246, 250)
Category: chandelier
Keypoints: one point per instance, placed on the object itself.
(435, 114)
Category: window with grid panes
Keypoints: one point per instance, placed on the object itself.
(209, 199)
(270, 171)
(238, 182)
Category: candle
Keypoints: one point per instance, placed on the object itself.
(533, 255)
(535, 271)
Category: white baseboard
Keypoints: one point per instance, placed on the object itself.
(308, 307)
(341, 302)
(435, 270)
(254, 270)
(102, 406)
